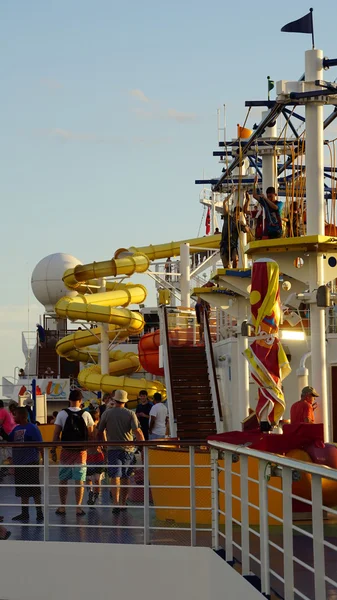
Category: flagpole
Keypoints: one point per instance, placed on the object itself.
(312, 28)
(268, 87)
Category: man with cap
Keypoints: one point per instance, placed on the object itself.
(303, 410)
(121, 425)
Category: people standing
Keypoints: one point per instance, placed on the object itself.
(54, 415)
(107, 402)
(143, 412)
(168, 269)
(7, 421)
(121, 425)
(158, 418)
(303, 410)
(273, 209)
(233, 224)
(73, 425)
(95, 462)
(27, 481)
(49, 373)
(41, 335)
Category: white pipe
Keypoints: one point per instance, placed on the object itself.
(314, 155)
(185, 275)
(304, 360)
(302, 374)
(315, 225)
(104, 345)
(269, 160)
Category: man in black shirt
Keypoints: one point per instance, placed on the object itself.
(143, 412)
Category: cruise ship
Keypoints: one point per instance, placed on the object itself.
(236, 501)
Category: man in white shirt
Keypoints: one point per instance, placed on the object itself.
(158, 418)
(75, 425)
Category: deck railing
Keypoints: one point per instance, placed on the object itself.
(269, 515)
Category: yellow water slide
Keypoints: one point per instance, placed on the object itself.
(93, 305)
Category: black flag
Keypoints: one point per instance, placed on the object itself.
(303, 25)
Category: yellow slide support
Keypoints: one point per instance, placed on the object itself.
(101, 307)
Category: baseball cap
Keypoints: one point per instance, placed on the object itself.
(309, 391)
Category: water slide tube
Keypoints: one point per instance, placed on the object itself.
(92, 305)
(148, 350)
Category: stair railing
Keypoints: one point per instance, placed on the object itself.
(165, 343)
(212, 376)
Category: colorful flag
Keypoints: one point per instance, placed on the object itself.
(268, 362)
(208, 221)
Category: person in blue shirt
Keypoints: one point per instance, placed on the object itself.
(273, 210)
(26, 432)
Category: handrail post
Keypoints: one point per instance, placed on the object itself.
(244, 515)
(193, 517)
(146, 497)
(264, 529)
(228, 507)
(215, 499)
(46, 493)
(318, 536)
(288, 545)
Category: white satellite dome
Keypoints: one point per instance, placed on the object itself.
(47, 284)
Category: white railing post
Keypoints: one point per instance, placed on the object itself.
(215, 499)
(244, 515)
(193, 516)
(264, 528)
(146, 496)
(288, 546)
(212, 377)
(164, 343)
(46, 493)
(318, 536)
(228, 507)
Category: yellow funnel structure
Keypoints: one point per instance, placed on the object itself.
(101, 307)
(244, 133)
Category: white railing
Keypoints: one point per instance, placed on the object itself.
(164, 342)
(256, 522)
(170, 499)
(236, 500)
(212, 376)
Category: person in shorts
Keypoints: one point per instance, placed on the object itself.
(121, 425)
(76, 427)
(95, 462)
(27, 481)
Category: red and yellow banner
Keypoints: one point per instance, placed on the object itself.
(268, 362)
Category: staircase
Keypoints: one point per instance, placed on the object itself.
(191, 392)
(47, 357)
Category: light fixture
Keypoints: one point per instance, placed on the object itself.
(290, 334)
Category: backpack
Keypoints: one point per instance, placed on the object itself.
(75, 429)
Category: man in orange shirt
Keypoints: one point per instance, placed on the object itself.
(303, 410)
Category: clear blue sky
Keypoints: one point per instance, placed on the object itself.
(108, 115)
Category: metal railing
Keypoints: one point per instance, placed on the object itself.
(212, 376)
(168, 483)
(270, 515)
(183, 328)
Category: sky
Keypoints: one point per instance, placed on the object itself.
(108, 115)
